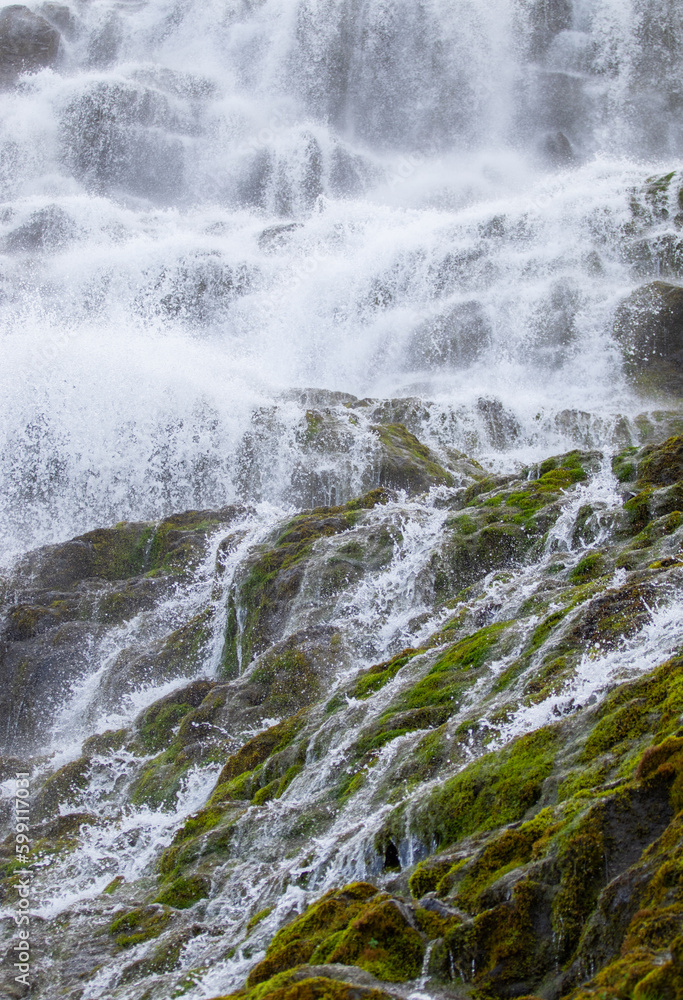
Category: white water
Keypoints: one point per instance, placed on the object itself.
(439, 244)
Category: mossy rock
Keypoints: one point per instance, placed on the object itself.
(295, 943)
(504, 518)
(105, 744)
(184, 892)
(255, 752)
(351, 926)
(142, 923)
(662, 465)
(381, 941)
(407, 464)
(375, 677)
(65, 786)
(498, 788)
(272, 578)
(499, 949)
(304, 984)
(156, 727)
(178, 542)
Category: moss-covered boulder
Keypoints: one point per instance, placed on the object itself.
(355, 925)
(407, 464)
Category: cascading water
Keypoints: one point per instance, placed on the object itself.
(429, 212)
(205, 205)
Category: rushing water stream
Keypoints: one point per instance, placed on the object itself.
(429, 211)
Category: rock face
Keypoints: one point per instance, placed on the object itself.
(28, 42)
(649, 327)
(63, 599)
(278, 797)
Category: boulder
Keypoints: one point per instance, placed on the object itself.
(28, 43)
(457, 338)
(48, 229)
(649, 328)
(123, 136)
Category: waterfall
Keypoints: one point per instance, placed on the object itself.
(207, 205)
(250, 252)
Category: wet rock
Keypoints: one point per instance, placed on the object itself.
(555, 323)
(271, 578)
(662, 465)
(197, 290)
(36, 672)
(28, 43)
(404, 463)
(649, 328)
(350, 173)
(547, 18)
(548, 863)
(557, 150)
(66, 597)
(276, 237)
(61, 16)
(124, 137)
(103, 46)
(319, 399)
(455, 339)
(49, 229)
(500, 425)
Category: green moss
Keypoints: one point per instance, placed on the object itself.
(433, 925)
(266, 793)
(625, 722)
(156, 732)
(542, 632)
(139, 924)
(407, 463)
(295, 943)
(498, 788)
(450, 676)
(295, 986)
(290, 678)
(314, 423)
(582, 864)
(65, 786)
(624, 465)
(377, 676)
(176, 545)
(582, 779)
(381, 941)
(184, 892)
(662, 465)
(510, 850)
(119, 552)
(499, 948)
(258, 917)
(427, 875)
(588, 568)
(186, 646)
(255, 752)
(115, 884)
(105, 743)
(206, 835)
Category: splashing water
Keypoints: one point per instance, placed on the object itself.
(207, 204)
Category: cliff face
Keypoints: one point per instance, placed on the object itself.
(430, 739)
